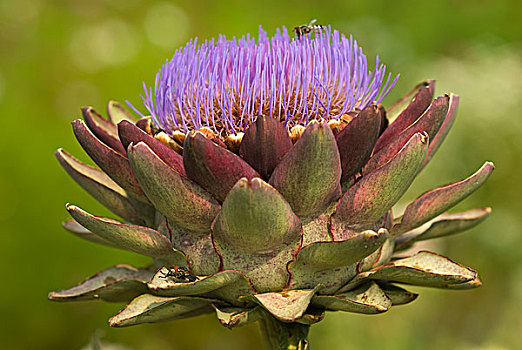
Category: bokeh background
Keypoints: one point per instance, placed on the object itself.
(56, 56)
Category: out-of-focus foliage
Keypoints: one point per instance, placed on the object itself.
(56, 56)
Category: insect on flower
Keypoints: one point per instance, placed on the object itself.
(306, 28)
(179, 274)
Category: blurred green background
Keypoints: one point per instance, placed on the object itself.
(56, 56)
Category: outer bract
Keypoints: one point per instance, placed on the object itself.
(266, 206)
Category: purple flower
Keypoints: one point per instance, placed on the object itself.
(225, 84)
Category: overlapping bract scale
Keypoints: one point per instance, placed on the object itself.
(286, 222)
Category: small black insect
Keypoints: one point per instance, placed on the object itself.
(179, 274)
(306, 28)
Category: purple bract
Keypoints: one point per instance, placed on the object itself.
(224, 84)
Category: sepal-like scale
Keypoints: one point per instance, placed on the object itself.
(264, 144)
(232, 282)
(410, 112)
(286, 306)
(257, 232)
(120, 283)
(438, 200)
(117, 113)
(308, 176)
(100, 186)
(259, 219)
(374, 194)
(178, 198)
(444, 129)
(367, 299)
(130, 133)
(333, 263)
(152, 308)
(445, 225)
(139, 239)
(356, 141)
(428, 124)
(105, 130)
(113, 163)
(212, 166)
(231, 317)
(425, 268)
(397, 295)
(197, 247)
(79, 231)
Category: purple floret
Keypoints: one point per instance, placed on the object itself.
(224, 84)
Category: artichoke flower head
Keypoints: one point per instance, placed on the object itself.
(261, 184)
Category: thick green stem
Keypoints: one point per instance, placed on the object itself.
(284, 336)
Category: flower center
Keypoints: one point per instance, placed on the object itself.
(225, 84)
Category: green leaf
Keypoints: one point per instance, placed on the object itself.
(115, 284)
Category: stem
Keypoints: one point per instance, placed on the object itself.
(284, 336)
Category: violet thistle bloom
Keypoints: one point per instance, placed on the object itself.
(262, 186)
(225, 84)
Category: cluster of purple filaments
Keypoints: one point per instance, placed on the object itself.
(224, 84)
